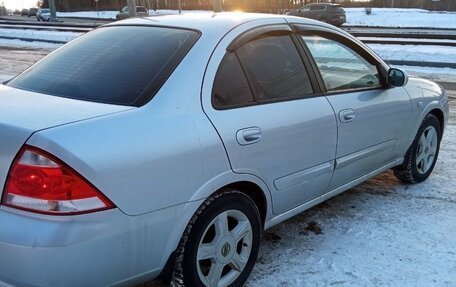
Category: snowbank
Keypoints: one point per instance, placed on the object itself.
(112, 14)
(423, 53)
(394, 17)
(39, 34)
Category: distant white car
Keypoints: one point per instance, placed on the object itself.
(43, 15)
(123, 13)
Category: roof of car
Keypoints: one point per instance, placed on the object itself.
(324, 4)
(207, 21)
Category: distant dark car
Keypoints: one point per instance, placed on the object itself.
(124, 13)
(24, 12)
(326, 12)
(32, 12)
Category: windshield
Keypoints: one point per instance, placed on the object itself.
(123, 65)
(45, 11)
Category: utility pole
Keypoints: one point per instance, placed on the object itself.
(132, 8)
(53, 11)
(217, 5)
(392, 3)
(179, 6)
(98, 12)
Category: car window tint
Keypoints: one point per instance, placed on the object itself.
(317, 7)
(274, 68)
(230, 86)
(340, 66)
(115, 65)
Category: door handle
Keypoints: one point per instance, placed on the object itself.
(249, 136)
(346, 115)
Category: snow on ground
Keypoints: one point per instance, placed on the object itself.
(14, 60)
(380, 233)
(395, 17)
(25, 44)
(112, 14)
(425, 53)
(39, 34)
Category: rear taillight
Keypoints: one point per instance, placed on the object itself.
(39, 182)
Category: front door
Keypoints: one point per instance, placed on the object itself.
(370, 116)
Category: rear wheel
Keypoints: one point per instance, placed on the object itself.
(221, 243)
(422, 154)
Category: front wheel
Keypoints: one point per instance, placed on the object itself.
(422, 154)
(220, 244)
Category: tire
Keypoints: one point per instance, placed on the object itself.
(420, 159)
(208, 251)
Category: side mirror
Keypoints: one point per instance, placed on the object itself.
(397, 78)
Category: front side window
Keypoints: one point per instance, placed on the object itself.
(340, 66)
(123, 65)
(274, 68)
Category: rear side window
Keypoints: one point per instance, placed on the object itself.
(275, 68)
(317, 7)
(141, 9)
(123, 65)
(230, 86)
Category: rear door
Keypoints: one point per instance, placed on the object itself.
(370, 115)
(266, 108)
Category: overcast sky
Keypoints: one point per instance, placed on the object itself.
(19, 4)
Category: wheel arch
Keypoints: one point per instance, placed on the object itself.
(439, 115)
(255, 193)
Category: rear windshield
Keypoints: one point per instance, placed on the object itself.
(45, 11)
(124, 65)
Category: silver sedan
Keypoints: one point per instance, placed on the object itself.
(162, 148)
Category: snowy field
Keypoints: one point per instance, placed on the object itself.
(385, 17)
(380, 233)
(112, 14)
(39, 34)
(425, 53)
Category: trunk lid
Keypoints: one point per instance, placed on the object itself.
(22, 113)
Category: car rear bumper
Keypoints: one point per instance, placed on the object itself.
(98, 249)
